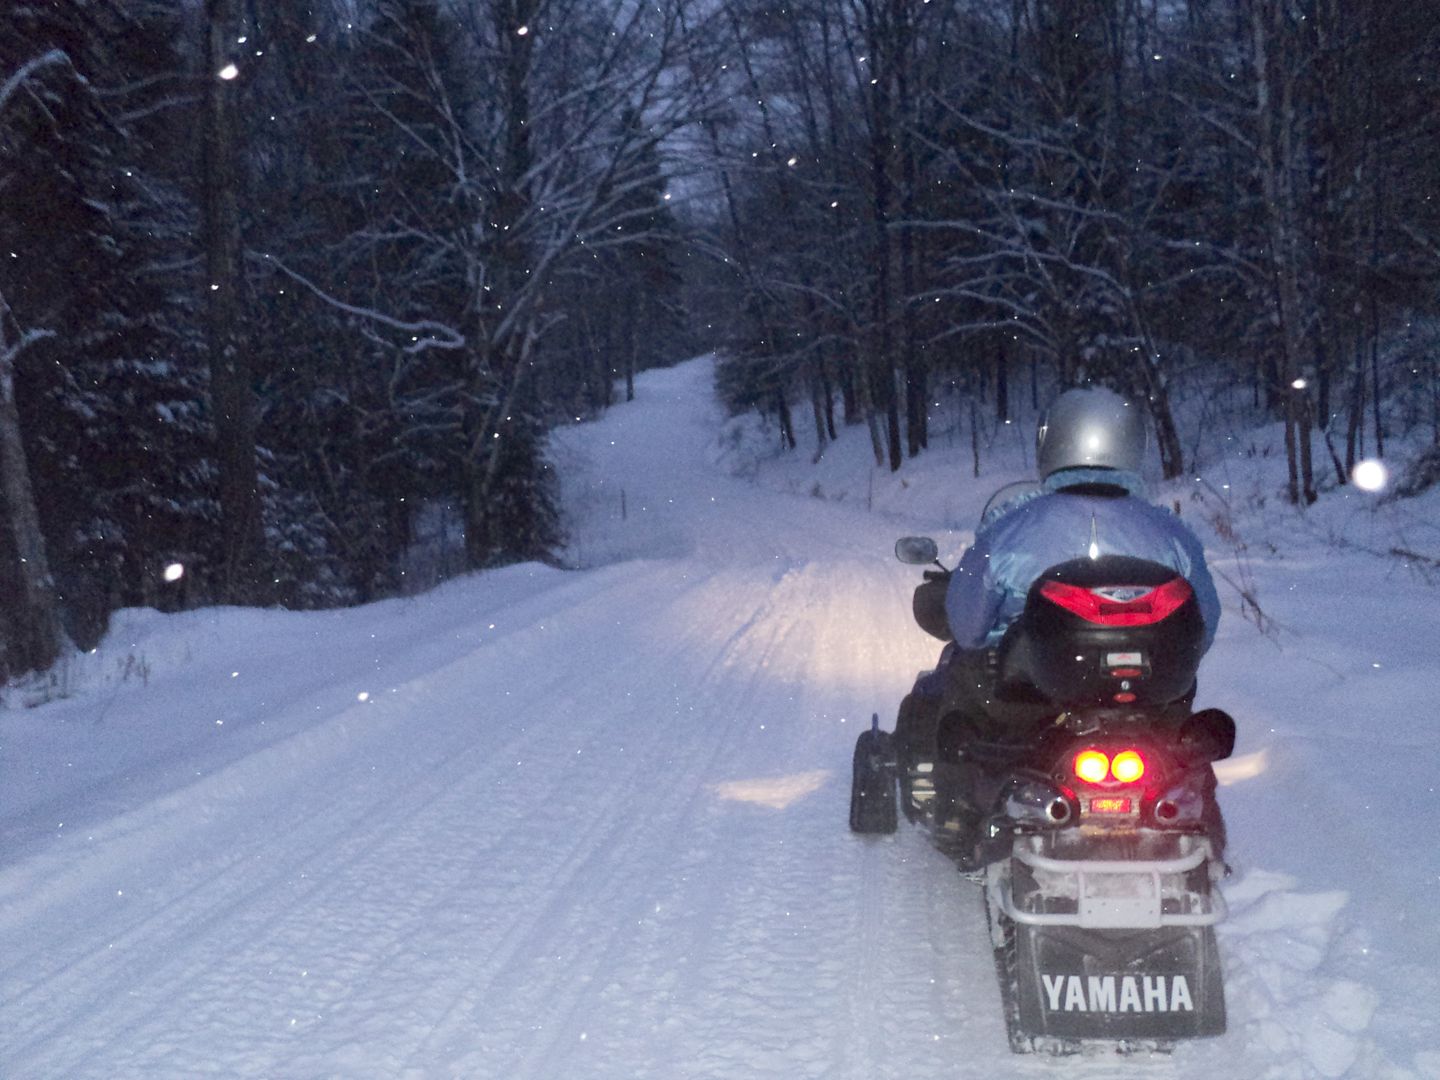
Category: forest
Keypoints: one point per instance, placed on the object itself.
(291, 295)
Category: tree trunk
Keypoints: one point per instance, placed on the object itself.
(1002, 384)
(504, 326)
(1324, 379)
(854, 411)
(1375, 373)
(865, 402)
(917, 375)
(632, 347)
(1307, 458)
(817, 405)
(485, 431)
(1355, 421)
(882, 360)
(975, 437)
(1292, 476)
(30, 633)
(787, 424)
(1276, 123)
(1167, 435)
(827, 391)
(230, 376)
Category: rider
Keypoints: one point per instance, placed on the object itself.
(1090, 501)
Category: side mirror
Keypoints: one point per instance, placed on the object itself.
(916, 550)
(1209, 735)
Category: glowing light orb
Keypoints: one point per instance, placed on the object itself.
(1370, 475)
(174, 572)
(1298, 384)
(228, 72)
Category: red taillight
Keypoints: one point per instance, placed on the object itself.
(1127, 766)
(1092, 766)
(1096, 767)
(1094, 606)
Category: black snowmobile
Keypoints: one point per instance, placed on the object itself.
(1092, 825)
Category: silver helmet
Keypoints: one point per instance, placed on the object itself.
(1092, 427)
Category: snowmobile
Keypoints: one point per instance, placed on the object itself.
(1094, 828)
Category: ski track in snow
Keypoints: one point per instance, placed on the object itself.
(603, 838)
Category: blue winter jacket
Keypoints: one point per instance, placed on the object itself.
(1050, 526)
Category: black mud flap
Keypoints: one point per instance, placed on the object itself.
(1074, 983)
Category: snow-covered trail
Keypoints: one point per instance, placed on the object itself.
(580, 824)
(589, 843)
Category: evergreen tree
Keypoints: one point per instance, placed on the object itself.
(118, 452)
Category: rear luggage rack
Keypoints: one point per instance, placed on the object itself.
(1107, 894)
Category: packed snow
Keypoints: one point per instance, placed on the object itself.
(590, 822)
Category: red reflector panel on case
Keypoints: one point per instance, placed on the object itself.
(1093, 606)
(1110, 804)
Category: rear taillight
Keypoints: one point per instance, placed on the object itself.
(1096, 766)
(1092, 766)
(1127, 766)
(1101, 605)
